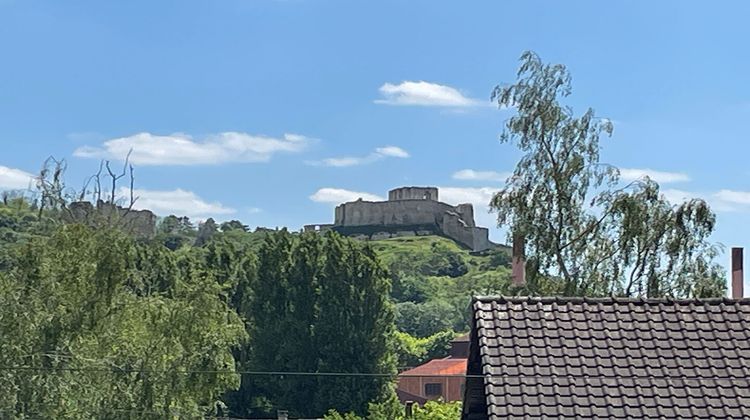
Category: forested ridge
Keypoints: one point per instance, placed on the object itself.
(211, 319)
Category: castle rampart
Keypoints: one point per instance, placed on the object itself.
(410, 211)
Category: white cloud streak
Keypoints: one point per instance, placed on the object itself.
(632, 174)
(721, 201)
(392, 151)
(421, 93)
(15, 179)
(378, 154)
(479, 196)
(734, 197)
(182, 149)
(178, 202)
(472, 175)
(676, 196)
(339, 195)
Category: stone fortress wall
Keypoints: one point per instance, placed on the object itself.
(140, 223)
(409, 211)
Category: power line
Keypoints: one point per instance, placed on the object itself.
(377, 375)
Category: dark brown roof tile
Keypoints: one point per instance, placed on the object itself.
(613, 358)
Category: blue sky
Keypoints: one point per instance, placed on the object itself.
(272, 111)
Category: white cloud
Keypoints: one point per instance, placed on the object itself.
(181, 149)
(721, 201)
(338, 196)
(734, 197)
(731, 200)
(632, 174)
(472, 175)
(178, 202)
(15, 179)
(676, 196)
(378, 154)
(344, 161)
(480, 196)
(392, 151)
(423, 94)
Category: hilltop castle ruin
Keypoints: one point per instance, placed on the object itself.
(409, 211)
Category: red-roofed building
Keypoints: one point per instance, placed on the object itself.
(438, 378)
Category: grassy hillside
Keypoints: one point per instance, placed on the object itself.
(434, 279)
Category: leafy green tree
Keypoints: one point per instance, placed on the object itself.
(581, 227)
(206, 231)
(354, 329)
(270, 317)
(413, 351)
(301, 319)
(432, 410)
(94, 326)
(233, 225)
(175, 232)
(425, 319)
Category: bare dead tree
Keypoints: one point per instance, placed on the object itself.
(51, 185)
(96, 195)
(116, 177)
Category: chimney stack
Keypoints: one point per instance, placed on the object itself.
(737, 274)
(518, 261)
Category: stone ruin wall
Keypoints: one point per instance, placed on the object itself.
(390, 213)
(410, 217)
(140, 223)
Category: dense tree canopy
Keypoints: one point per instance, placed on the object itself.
(93, 325)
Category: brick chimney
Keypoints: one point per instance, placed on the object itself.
(518, 261)
(737, 274)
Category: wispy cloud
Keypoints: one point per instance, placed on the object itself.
(178, 202)
(182, 149)
(392, 151)
(339, 195)
(421, 93)
(15, 179)
(721, 201)
(735, 197)
(378, 154)
(479, 196)
(472, 175)
(662, 177)
(676, 196)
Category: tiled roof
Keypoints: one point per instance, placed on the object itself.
(610, 357)
(448, 366)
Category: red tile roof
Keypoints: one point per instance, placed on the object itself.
(448, 366)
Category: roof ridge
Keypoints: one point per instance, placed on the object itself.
(610, 300)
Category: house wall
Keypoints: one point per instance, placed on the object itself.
(451, 386)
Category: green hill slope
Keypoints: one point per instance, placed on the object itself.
(434, 279)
